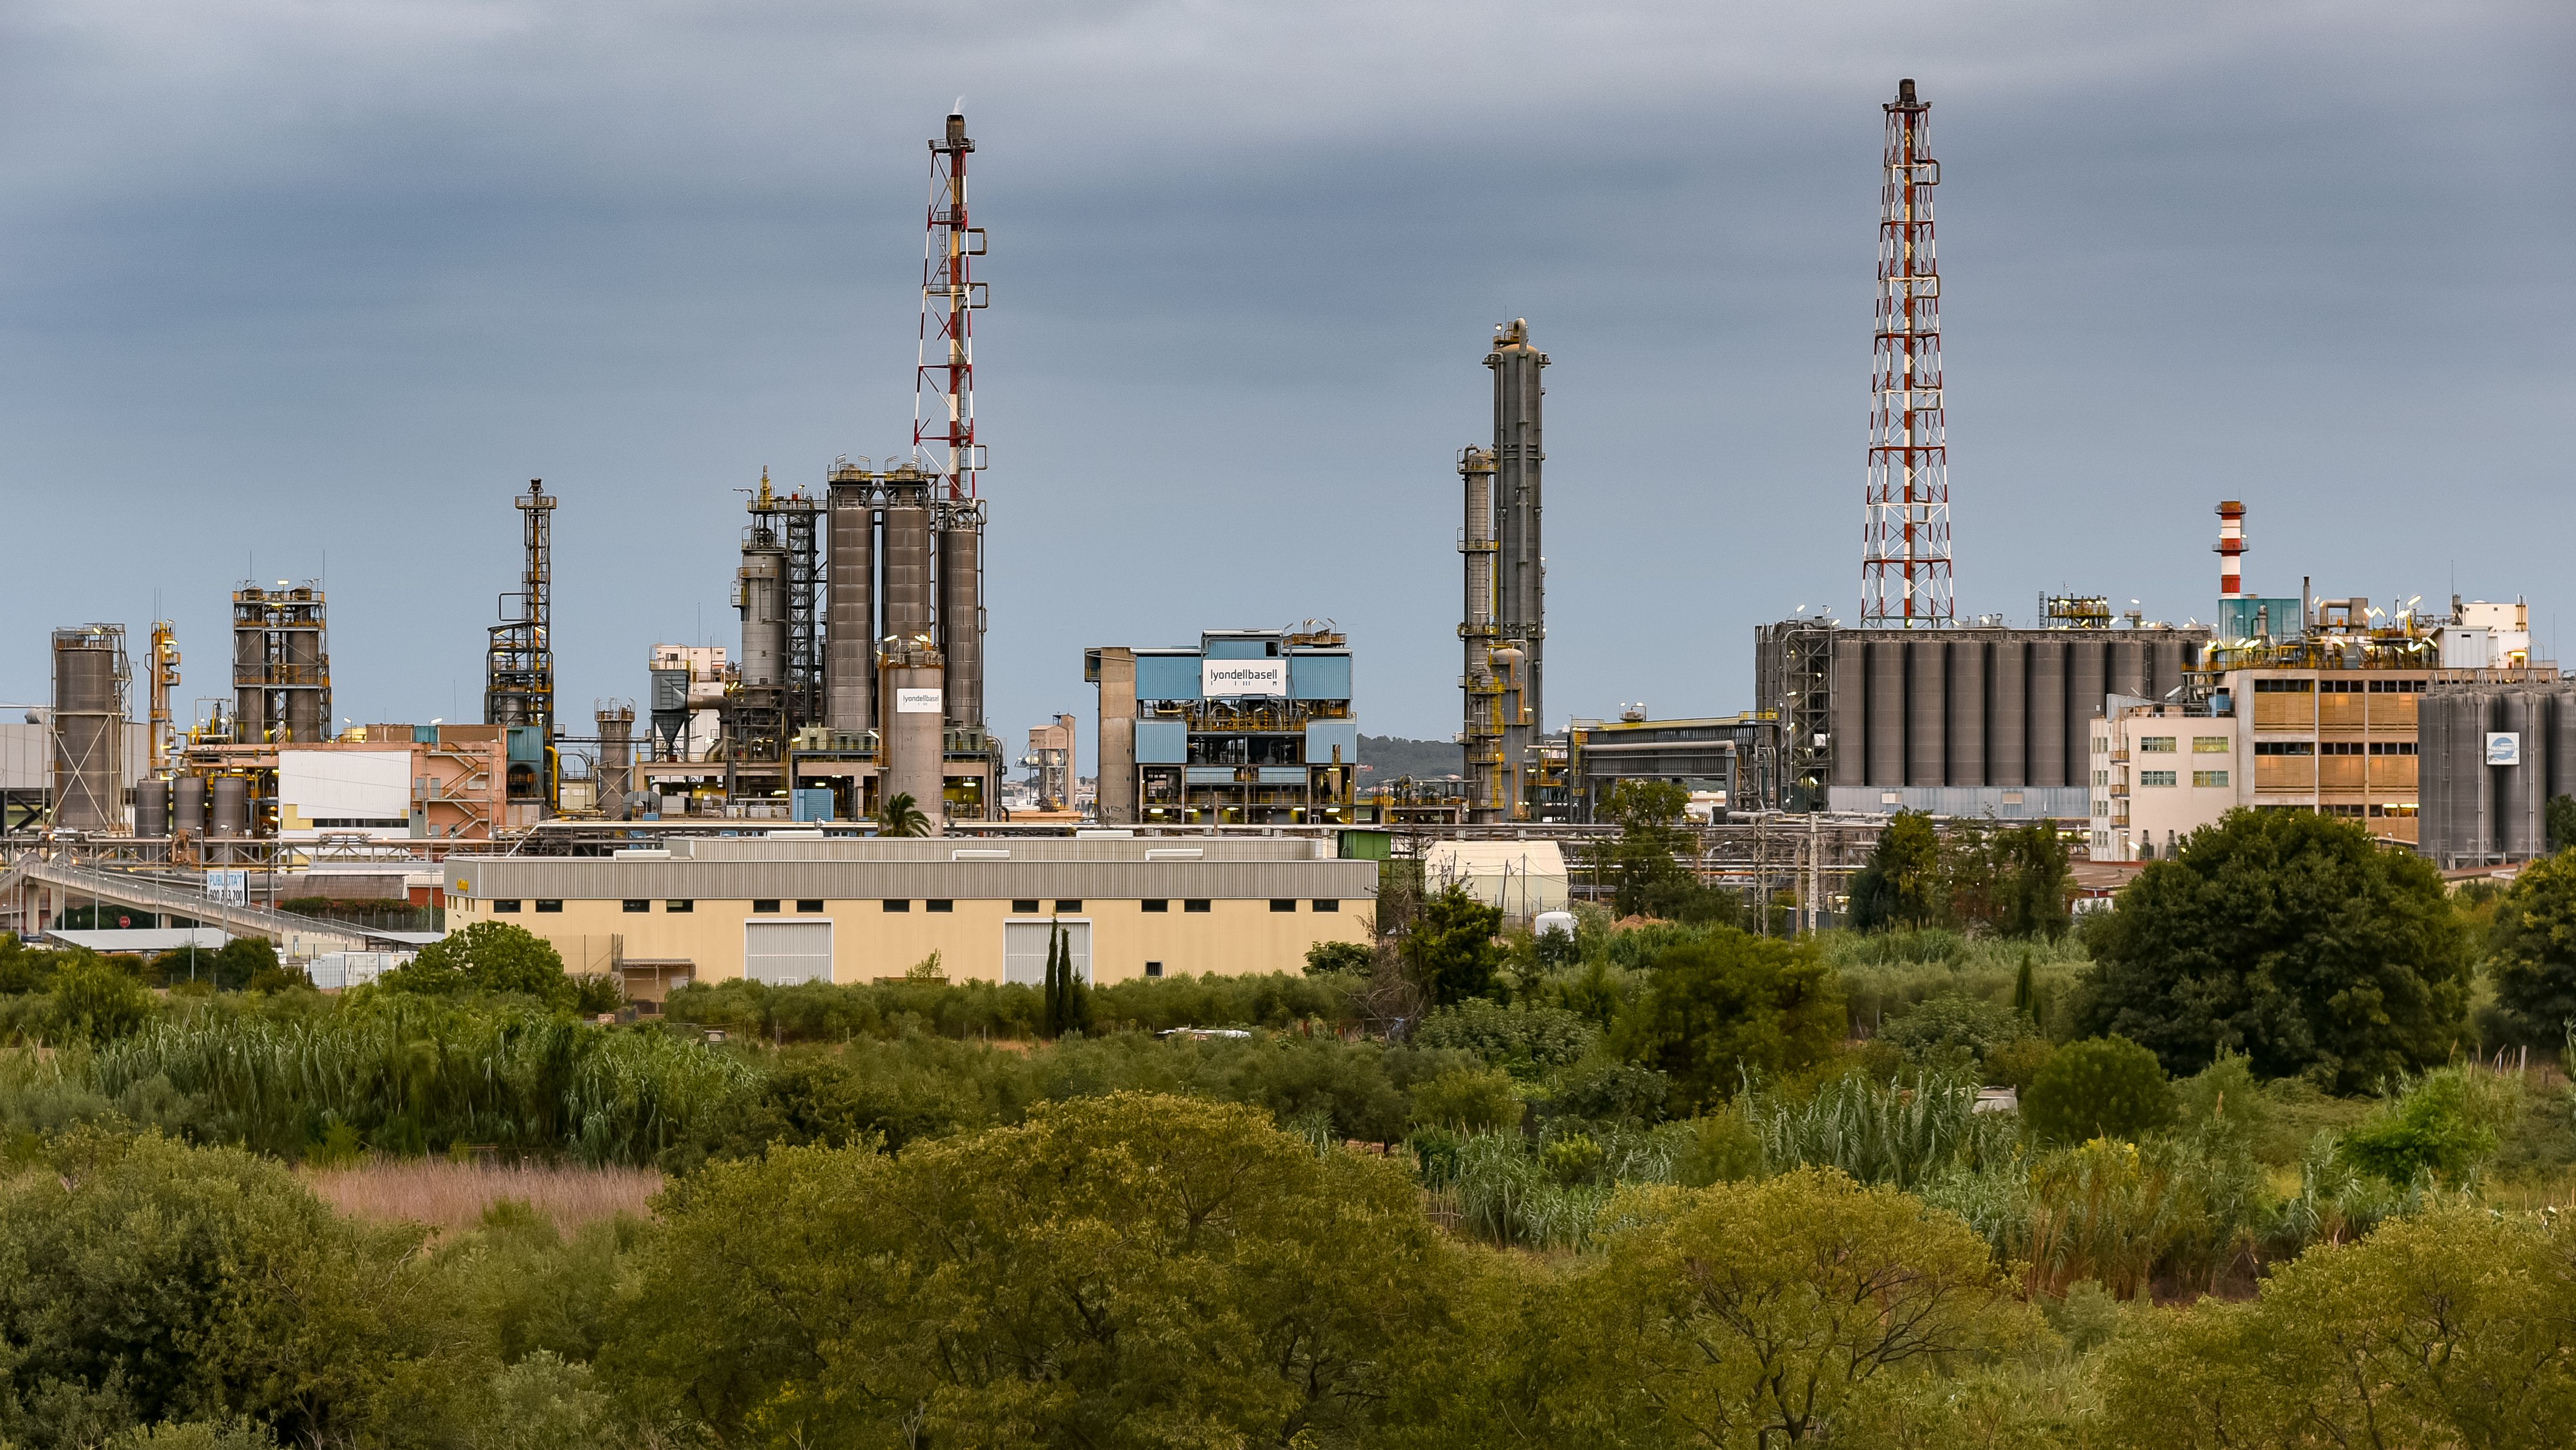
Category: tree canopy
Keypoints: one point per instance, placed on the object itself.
(489, 956)
(2292, 938)
(1132, 1270)
(2531, 951)
(1450, 950)
(1901, 884)
(1713, 1010)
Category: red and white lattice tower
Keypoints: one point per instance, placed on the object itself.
(943, 432)
(1905, 542)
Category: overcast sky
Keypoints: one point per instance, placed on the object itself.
(292, 288)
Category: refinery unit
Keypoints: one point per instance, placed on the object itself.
(856, 682)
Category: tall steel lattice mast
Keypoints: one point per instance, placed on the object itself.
(943, 440)
(1905, 541)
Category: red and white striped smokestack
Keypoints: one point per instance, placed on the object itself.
(2231, 550)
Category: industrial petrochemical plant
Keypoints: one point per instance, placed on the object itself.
(823, 796)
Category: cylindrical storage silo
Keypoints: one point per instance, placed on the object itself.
(2562, 743)
(2129, 674)
(1850, 716)
(303, 673)
(913, 728)
(88, 731)
(230, 816)
(961, 612)
(250, 680)
(2519, 801)
(762, 598)
(2477, 802)
(152, 809)
(2048, 715)
(907, 569)
(850, 642)
(1967, 732)
(188, 807)
(1886, 713)
(2008, 713)
(2088, 675)
(1927, 705)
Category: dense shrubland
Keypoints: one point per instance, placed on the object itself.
(1674, 1184)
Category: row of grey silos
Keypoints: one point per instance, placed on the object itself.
(1988, 707)
(2471, 812)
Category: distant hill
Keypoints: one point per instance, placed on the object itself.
(1385, 757)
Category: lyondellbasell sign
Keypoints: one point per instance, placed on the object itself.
(916, 702)
(1232, 679)
(2504, 747)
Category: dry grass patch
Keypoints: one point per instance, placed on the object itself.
(451, 1196)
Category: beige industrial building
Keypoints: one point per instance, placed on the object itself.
(785, 908)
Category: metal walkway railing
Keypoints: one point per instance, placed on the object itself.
(296, 936)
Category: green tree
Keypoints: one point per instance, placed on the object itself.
(142, 1282)
(2560, 820)
(2292, 938)
(1068, 998)
(1647, 877)
(1124, 1271)
(1450, 950)
(489, 956)
(2442, 1125)
(2031, 882)
(1325, 958)
(2103, 1087)
(1472, 1099)
(902, 817)
(94, 1000)
(1731, 1003)
(2531, 951)
(242, 961)
(1900, 886)
(1766, 1313)
(2456, 1328)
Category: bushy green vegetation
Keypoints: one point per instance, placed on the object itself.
(1674, 1185)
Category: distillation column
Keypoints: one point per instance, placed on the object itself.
(1520, 569)
(1488, 799)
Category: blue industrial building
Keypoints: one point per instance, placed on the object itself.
(1251, 727)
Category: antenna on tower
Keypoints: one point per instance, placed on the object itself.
(943, 434)
(1905, 538)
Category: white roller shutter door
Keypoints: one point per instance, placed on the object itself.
(785, 952)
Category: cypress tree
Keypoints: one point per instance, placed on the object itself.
(2026, 992)
(1053, 1023)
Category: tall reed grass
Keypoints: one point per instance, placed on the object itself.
(410, 1075)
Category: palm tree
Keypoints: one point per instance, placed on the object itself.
(901, 817)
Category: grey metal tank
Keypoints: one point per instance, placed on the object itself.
(850, 637)
(762, 597)
(907, 561)
(914, 731)
(229, 815)
(2047, 764)
(961, 611)
(1969, 764)
(1927, 699)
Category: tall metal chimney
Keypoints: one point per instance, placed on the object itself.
(2231, 550)
(1520, 565)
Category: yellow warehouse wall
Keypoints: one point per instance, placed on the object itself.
(1231, 938)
